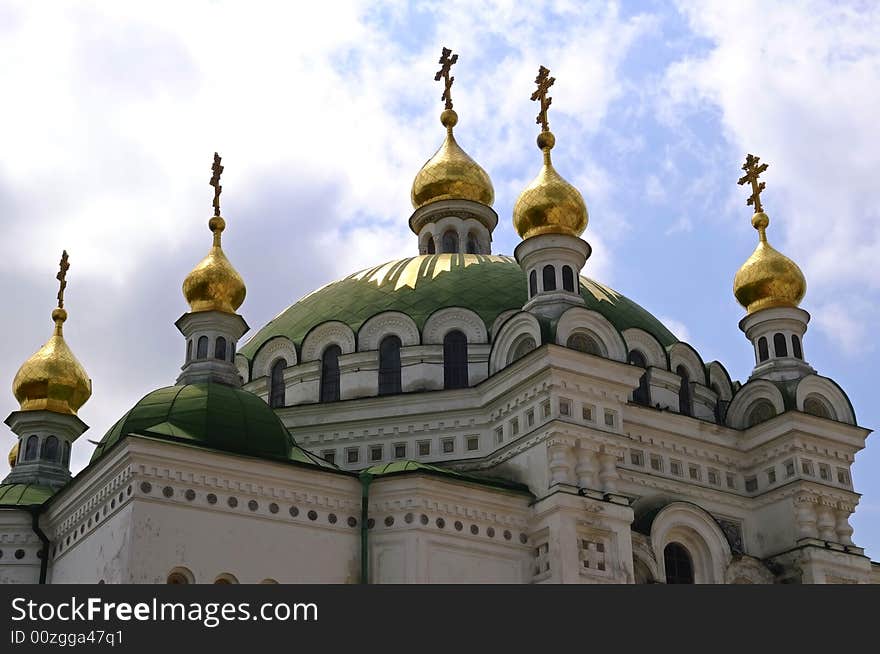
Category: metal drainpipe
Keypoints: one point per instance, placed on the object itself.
(35, 525)
(366, 478)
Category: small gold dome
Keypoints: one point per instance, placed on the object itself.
(549, 205)
(451, 174)
(13, 455)
(52, 379)
(214, 285)
(768, 278)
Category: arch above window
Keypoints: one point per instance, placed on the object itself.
(568, 279)
(583, 342)
(220, 348)
(779, 345)
(525, 345)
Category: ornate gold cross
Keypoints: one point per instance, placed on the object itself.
(62, 278)
(217, 169)
(753, 171)
(544, 82)
(446, 63)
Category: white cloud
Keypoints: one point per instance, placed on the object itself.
(799, 86)
(678, 328)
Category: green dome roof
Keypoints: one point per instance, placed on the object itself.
(419, 286)
(24, 494)
(210, 415)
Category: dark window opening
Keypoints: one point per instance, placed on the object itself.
(389, 366)
(50, 449)
(549, 278)
(202, 348)
(431, 248)
(450, 242)
(684, 391)
(472, 245)
(330, 374)
(679, 567)
(30, 451)
(533, 283)
(567, 279)
(641, 395)
(220, 348)
(276, 384)
(189, 349)
(796, 347)
(455, 360)
(66, 456)
(763, 350)
(779, 345)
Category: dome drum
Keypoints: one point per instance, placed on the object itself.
(211, 339)
(552, 263)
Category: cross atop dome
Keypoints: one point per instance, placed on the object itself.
(544, 82)
(446, 62)
(753, 171)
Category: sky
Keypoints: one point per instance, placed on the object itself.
(324, 112)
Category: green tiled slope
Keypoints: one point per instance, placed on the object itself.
(215, 416)
(419, 286)
(24, 494)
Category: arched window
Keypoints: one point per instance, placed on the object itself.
(472, 246)
(202, 348)
(679, 567)
(779, 345)
(189, 349)
(450, 242)
(431, 247)
(220, 348)
(763, 351)
(641, 395)
(65, 459)
(684, 391)
(522, 348)
(276, 384)
(583, 343)
(389, 366)
(549, 278)
(30, 451)
(796, 347)
(761, 411)
(50, 449)
(816, 407)
(455, 360)
(330, 374)
(179, 576)
(533, 283)
(567, 279)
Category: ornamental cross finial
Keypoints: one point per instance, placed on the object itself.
(544, 82)
(62, 278)
(217, 169)
(446, 63)
(753, 171)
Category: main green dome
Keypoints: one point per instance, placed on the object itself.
(488, 285)
(210, 415)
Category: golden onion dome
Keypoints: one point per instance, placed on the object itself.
(768, 278)
(549, 205)
(13, 455)
(451, 174)
(214, 285)
(52, 379)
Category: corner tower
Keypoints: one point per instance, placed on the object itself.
(550, 215)
(50, 387)
(214, 291)
(451, 194)
(770, 287)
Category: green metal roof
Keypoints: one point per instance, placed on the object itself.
(24, 494)
(210, 415)
(419, 286)
(407, 466)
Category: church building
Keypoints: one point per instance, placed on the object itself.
(455, 416)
